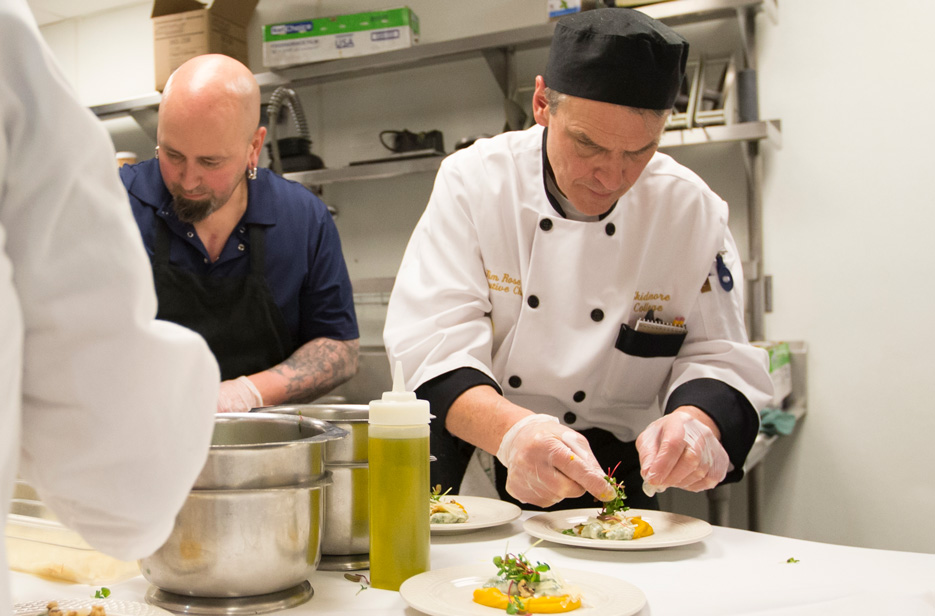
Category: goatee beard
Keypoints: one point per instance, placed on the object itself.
(193, 210)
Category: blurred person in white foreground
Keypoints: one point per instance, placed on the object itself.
(107, 412)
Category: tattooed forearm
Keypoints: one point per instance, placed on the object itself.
(317, 367)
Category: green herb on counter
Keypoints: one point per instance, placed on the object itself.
(792, 560)
(360, 579)
(102, 593)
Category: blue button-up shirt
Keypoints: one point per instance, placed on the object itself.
(305, 269)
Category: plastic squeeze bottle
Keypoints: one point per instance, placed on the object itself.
(399, 486)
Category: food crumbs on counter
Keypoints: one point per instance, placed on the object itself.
(52, 609)
(792, 560)
(360, 579)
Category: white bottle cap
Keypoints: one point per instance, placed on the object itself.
(399, 407)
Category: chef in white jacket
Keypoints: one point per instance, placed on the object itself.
(105, 411)
(571, 298)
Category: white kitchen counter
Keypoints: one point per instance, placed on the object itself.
(731, 572)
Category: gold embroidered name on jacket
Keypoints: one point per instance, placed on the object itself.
(644, 301)
(504, 283)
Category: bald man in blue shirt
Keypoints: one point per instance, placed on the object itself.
(249, 260)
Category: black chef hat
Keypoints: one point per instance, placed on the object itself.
(619, 56)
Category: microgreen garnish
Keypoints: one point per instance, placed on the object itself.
(516, 606)
(609, 508)
(615, 504)
(437, 493)
(102, 593)
(521, 574)
(792, 560)
(360, 579)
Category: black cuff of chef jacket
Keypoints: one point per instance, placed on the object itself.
(444, 389)
(735, 417)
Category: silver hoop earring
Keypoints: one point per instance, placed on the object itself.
(157, 151)
(251, 174)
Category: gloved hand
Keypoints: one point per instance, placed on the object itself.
(549, 462)
(679, 451)
(238, 396)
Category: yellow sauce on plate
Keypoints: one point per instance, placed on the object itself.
(493, 597)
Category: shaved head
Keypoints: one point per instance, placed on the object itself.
(214, 83)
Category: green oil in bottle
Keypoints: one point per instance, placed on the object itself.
(399, 485)
(398, 460)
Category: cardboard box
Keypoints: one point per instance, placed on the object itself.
(341, 36)
(183, 29)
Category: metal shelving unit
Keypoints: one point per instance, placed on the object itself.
(769, 130)
(372, 171)
(495, 47)
(754, 475)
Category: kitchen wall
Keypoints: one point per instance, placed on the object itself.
(845, 219)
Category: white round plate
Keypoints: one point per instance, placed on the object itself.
(450, 592)
(482, 513)
(113, 607)
(669, 529)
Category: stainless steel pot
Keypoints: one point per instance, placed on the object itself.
(263, 450)
(347, 515)
(240, 543)
(252, 525)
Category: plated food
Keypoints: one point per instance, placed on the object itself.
(519, 587)
(612, 522)
(482, 513)
(444, 509)
(670, 530)
(450, 592)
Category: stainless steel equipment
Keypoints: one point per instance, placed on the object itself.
(346, 534)
(251, 529)
(262, 450)
(237, 543)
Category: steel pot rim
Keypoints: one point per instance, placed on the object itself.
(319, 481)
(328, 431)
(339, 413)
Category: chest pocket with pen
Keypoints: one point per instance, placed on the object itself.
(640, 362)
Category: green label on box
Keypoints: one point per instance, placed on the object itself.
(341, 24)
(779, 356)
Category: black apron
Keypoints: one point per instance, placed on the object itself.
(237, 316)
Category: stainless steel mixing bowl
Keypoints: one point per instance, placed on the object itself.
(347, 515)
(239, 543)
(263, 450)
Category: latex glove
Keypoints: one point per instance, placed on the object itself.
(679, 451)
(238, 396)
(549, 462)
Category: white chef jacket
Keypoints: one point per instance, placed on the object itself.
(105, 411)
(495, 279)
